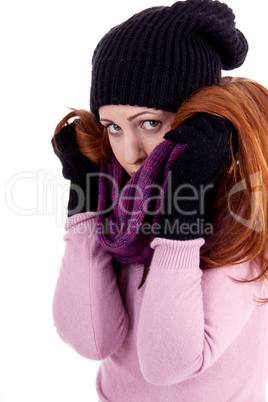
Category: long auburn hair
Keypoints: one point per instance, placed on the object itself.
(243, 233)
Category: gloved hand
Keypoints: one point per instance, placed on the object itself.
(194, 174)
(77, 168)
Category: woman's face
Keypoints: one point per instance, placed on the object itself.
(134, 132)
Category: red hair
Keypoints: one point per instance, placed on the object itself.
(91, 136)
(245, 104)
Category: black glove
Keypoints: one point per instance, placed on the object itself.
(78, 169)
(194, 174)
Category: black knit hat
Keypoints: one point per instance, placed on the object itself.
(158, 57)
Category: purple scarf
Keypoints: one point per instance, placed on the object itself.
(133, 205)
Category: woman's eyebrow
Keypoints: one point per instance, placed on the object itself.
(139, 114)
(129, 118)
(108, 121)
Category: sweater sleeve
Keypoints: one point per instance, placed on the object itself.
(190, 316)
(87, 307)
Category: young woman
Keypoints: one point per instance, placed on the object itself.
(164, 273)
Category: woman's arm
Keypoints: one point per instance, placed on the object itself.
(189, 317)
(88, 310)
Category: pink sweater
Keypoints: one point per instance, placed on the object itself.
(186, 335)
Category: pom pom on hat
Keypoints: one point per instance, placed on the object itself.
(216, 21)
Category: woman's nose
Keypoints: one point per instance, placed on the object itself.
(134, 151)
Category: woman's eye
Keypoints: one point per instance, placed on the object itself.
(150, 124)
(113, 129)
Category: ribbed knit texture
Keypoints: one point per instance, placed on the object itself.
(186, 335)
(158, 57)
(121, 231)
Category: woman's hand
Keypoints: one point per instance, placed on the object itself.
(194, 174)
(78, 169)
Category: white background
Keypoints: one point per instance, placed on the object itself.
(46, 50)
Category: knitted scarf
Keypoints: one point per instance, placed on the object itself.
(129, 208)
